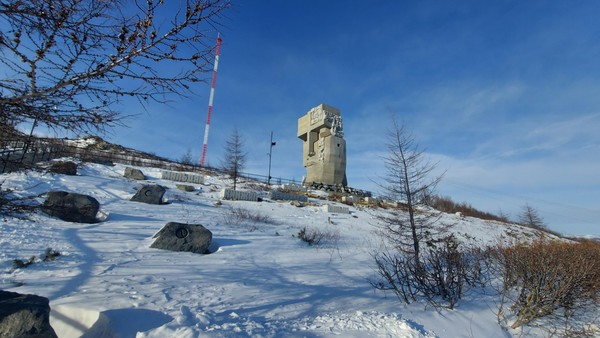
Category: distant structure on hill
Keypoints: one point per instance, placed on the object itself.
(324, 147)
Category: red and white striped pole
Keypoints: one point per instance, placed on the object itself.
(210, 99)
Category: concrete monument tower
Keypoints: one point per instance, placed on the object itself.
(324, 148)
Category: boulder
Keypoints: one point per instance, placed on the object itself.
(185, 187)
(151, 194)
(64, 167)
(24, 316)
(183, 237)
(134, 174)
(71, 207)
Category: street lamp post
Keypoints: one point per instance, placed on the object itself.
(270, 153)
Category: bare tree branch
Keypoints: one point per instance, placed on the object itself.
(69, 63)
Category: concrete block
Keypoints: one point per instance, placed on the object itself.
(392, 204)
(278, 195)
(348, 199)
(182, 177)
(238, 195)
(371, 200)
(294, 187)
(336, 209)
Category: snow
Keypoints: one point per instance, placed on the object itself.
(260, 280)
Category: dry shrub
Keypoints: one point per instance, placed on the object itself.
(335, 197)
(245, 217)
(16, 206)
(292, 191)
(550, 279)
(20, 264)
(257, 186)
(441, 276)
(320, 236)
(446, 204)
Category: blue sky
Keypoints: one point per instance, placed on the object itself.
(504, 94)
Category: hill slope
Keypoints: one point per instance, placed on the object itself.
(260, 279)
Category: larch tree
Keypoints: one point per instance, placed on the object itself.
(407, 180)
(234, 160)
(530, 217)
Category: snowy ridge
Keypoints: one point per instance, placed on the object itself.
(259, 281)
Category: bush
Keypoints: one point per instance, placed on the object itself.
(550, 279)
(187, 158)
(446, 204)
(49, 255)
(241, 216)
(15, 206)
(319, 237)
(441, 276)
(19, 263)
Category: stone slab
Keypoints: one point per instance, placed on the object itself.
(239, 195)
(336, 209)
(295, 187)
(182, 177)
(284, 196)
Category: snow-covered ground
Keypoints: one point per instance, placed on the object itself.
(259, 281)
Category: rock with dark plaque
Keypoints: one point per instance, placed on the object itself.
(71, 207)
(151, 194)
(24, 316)
(176, 236)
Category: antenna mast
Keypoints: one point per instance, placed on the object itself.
(210, 99)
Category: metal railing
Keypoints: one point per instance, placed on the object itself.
(16, 154)
(20, 153)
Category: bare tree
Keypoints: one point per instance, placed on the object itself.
(408, 181)
(416, 258)
(234, 160)
(187, 158)
(69, 63)
(529, 217)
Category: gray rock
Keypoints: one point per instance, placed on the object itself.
(151, 194)
(297, 204)
(24, 316)
(134, 174)
(64, 167)
(185, 187)
(183, 237)
(71, 207)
